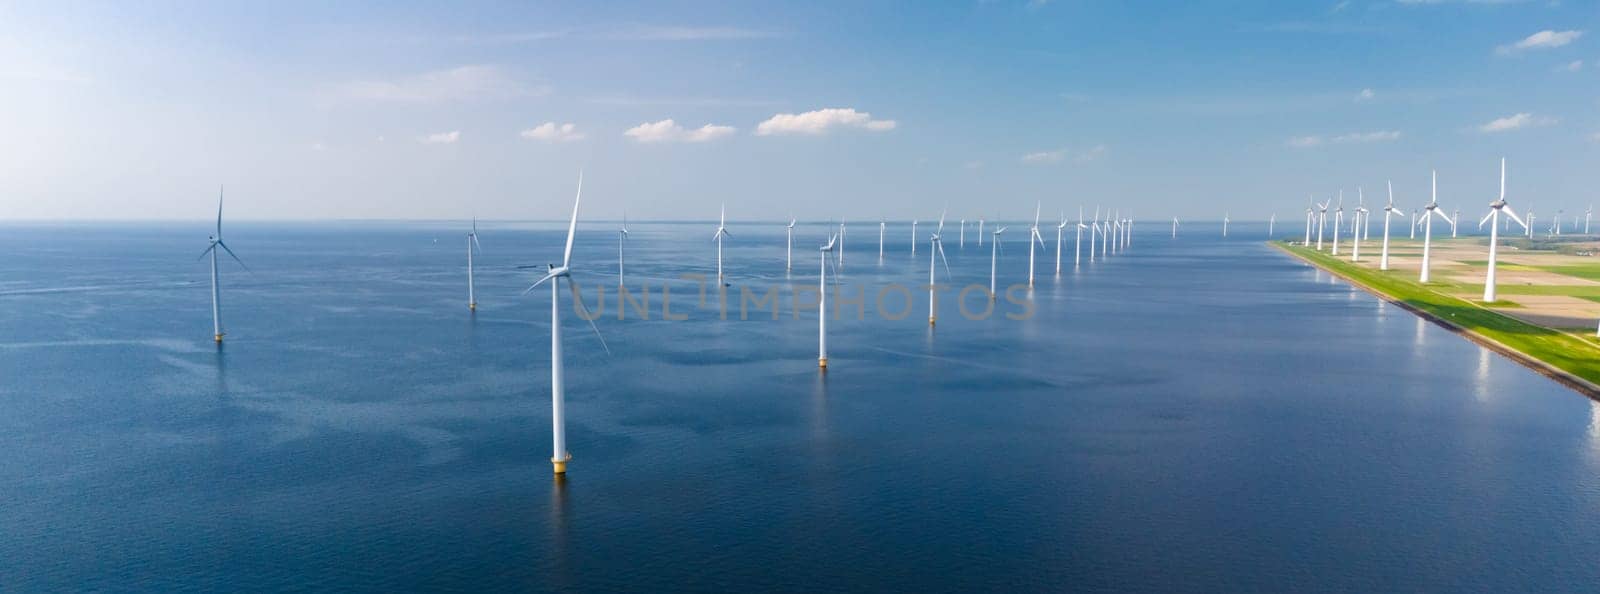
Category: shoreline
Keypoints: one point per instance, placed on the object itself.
(1564, 377)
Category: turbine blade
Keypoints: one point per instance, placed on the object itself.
(475, 245)
(235, 257)
(583, 312)
(572, 227)
(536, 284)
(940, 245)
(1486, 218)
(207, 251)
(1514, 216)
(219, 212)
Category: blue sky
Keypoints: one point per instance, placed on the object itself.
(389, 110)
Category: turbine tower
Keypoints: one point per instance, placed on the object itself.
(788, 254)
(1322, 221)
(1496, 208)
(216, 290)
(1034, 237)
(994, 260)
(1361, 215)
(1430, 211)
(472, 246)
(622, 239)
(883, 227)
(1338, 221)
(1077, 244)
(935, 250)
(558, 413)
(1388, 211)
(1060, 230)
(822, 305)
(722, 231)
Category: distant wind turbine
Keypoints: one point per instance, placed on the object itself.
(1225, 221)
(472, 246)
(1338, 221)
(1361, 214)
(1272, 221)
(558, 415)
(788, 257)
(722, 231)
(622, 239)
(1060, 230)
(883, 226)
(1174, 227)
(935, 250)
(1431, 210)
(1077, 244)
(216, 290)
(913, 237)
(994, 260)
(1034, 237)
(1322, 221)
(822, 305)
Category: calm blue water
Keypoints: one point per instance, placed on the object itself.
(1192, 415)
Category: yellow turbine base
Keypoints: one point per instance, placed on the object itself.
(473, 306)
(931, 320)
(560, 464)
(822, 362)
(218, 338)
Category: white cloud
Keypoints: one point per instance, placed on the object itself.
(1045, 156)
(819, 121)
(1573, 66)
(1349, 138)
(456, 84)
(1542, 40)
(669, 131)
(1058, 155)
(441, 138)
(1515, 122)
(1340, 6)
(551, 132)
(1366, 95)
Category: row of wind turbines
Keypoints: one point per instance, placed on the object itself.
(1317, 216)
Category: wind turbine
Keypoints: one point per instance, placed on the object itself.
(1413, 223)
(980, 231)
(1493, 219)
(1361, 214)
(1555, 223)
(622, 238)
(1105, 236)
(558, 413)
(1034, 231)
(1587, 212)
(1322, 221)
(1225, 225)
(1455, 216)
(935, 250)
(1388, 211)
(216, 294)
(1060, 230)
(1427, 225)
(1338, 221)
(994, 260)
(1310, 213)
(822, 305)
(1174, 227)
(882, 228)
(722, 231)
(1528, 226)
(841, 241)
(963, 238)
(788, 256)
(1077, 244)
(913, 237)
(472, 246)
(1272, 221)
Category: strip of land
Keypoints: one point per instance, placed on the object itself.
(1569, 356)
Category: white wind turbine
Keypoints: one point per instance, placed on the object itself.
(216, 290)
(622, 239)
(1361, 215)
(935, 250)
(994, 260)
(1094, 231)
(1493, 219)
(1105, 236)
(883, 227)
(980, 231)
(472, 246)
(1035, 238)
(913, 237)
(1225, 225)
(1529, 225)
(1322, 221)
(1174, 227)
(1388, 211)
(1431, 211)
(722, 231)
(1077, 244)
(841, 241)
(822, 305)
(1113, 230)
(788, 257)
(1338, 221)
(1272, 222)
(1310, 213)
(963, 236)
(558, 408)
(1413, 223)
(1455, 216)
(1060, 230)
(1587, 212)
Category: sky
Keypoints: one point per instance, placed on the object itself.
(819, 109)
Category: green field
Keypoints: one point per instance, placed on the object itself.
(1575, 354)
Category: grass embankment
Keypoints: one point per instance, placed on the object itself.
(1573, 354)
